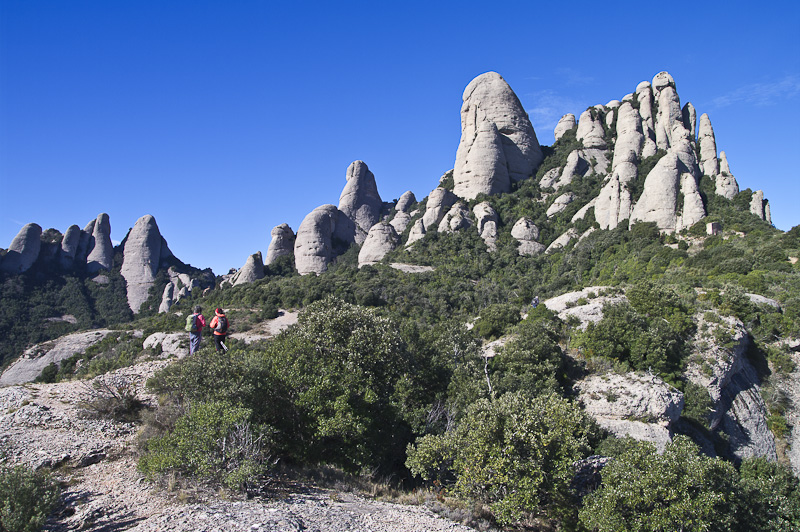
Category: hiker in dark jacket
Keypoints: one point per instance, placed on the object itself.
(219, 324)
(194, 324)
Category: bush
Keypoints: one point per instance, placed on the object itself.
(26, 498)
(514, 454)
(112, 400)
(495, 319)
(677, 490)
(212, 441)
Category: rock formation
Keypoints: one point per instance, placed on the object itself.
(252, 271)
(360, 200)
(487, 222)
(314, 247)
(562, 240)
(498, 144)
(561, 203)
(405, 202)
(382, 239)
(417, 232)
(456, 218)
(282, 243)
(24, 249)
(708, 147)
(726, 184)
(689, 114)
(566, 123)
(669, 109)
(590, 130)
(439, 202)
(69, 247)
(100, 250)
(527, 234)
(402, 209)
(145, 249)
(759, 206)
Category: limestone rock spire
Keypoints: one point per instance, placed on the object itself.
(360, 200)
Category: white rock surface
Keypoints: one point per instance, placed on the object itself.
(176, 344)
(613, 204)
(498, 144)
(69, 247)
(487, 222)
(590, 130)
(527, 234)
(560, 203)
(360, 200)
(757, 204)
(417, 232)
(690, 118)
(30, 365)
(577, 166)
(456, 218)
(562, 240)
(144, 250)
(591, 311)
(644, 95)
(400, 221)
(708, 147)
(382, 239)
(252, 271)
(566, 123)
(581, 214)
(24, 250)
(101, 251)
(661, 186)
(313, 247)
(439, 202)
(282, 243)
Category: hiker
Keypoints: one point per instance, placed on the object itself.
(535, 302)
(194, 324)
(219, 324)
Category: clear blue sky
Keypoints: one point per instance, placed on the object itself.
(223, 119)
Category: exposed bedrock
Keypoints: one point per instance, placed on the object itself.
(145, 249)
(24, 249)
(382, 239)
(317, 236)
(100, 250)
(360, 200)
(282, 243)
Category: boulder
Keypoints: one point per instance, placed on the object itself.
(141, 259)
(439, 202)
(726, 184)
(382, 239)
(314, 245)
(100, 251)
(498, 144)
(527, 234)
(566, 305)
(406, 201)
(566, 123)
(560, 204)
(590, 130)
(167, 298)
(758, 205)
(69, 247)
(252, 271)
(360, 200)
(176, 344)
(456, 218)
(24, 249)
(550, 177)
(282, 243)
(400, 221)
(577, 166)
(487, 222)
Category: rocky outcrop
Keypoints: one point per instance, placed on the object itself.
(456, 218)
(405, 202)
(100, 250)
(24, 249)
(669, 109)
(30, 365)
(382, 239)
(170, 344)
(586, 305)
(527, 234)
(403, 216)
(726, 184)
(719, 364)
(566, 123)
(562, 240)
(644, 97)
(689, 114)
(613, 205)
(577, 166)
(416, 233)
(69, 247)
(487, 222)
(439, 202)
(581, 214)
(252, 271)
(759, 206)
(282, 243)
(642, 407)
(167, 298)
(360, 200)
(314, 246)
(590, 130)
(498, 144)
(145, 249)
(708, 147)
(560, 203)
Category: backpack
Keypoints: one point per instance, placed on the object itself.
(191, 323)
(222, 325)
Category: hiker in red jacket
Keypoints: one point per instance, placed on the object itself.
(219, 324)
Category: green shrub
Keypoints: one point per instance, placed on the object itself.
(26, 498)
(495, 319)
(514, 454)
(212, 441)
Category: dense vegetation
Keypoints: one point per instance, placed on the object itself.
(381, 375)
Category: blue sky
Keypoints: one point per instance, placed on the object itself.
(224, 119)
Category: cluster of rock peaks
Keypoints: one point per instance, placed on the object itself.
(499, 147)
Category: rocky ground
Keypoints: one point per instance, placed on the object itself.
(42, 425)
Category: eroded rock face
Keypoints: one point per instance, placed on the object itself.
(669, 109)
(101, 251)
(708, 147)
(590, 130)
(657, 202)
(282, 243)
(456, 218)
(562, 240)
(726, 184)
(577, 166)
(644, 95)
(24, 249)
(382, 239)
(566, 123)
(759, 206)
(314, 245)
(252, 271)
(689, 118)
(566, 305)
(141, 259)
(439, 202)
(498, 144)
(527, 234)
(405, 202)
(561, 203)
(360, 200)
(417, 232)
